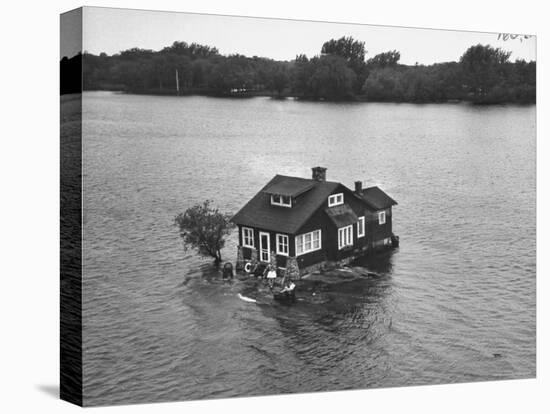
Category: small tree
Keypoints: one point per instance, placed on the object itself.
(204, 228)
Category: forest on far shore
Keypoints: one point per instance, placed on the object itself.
(341, 72)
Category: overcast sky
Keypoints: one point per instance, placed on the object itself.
(112, 30)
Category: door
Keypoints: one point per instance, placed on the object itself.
(264, 247)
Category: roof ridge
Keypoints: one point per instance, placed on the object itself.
(308, 179)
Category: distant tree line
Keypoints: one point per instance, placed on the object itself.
(340, 72)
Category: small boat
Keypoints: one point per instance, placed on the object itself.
(247, 299)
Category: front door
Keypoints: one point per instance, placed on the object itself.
(264, 247)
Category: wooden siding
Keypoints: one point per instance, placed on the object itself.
(374, 232)
(360, 210)
(318, 221)
(247, 252)
(377, 232)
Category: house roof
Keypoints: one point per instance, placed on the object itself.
(292, 188)
(259, 212)
(341, 215)
(377, 198)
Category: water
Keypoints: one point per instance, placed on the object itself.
(455, 303)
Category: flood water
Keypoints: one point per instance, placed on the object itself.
(455, 302)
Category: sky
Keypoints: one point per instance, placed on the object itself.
(113, 30)
(71, 33)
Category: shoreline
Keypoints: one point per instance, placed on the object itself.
(267, 94)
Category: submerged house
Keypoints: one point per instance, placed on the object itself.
(301, 224)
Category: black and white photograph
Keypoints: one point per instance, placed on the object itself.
(274, 207)
(271, 206)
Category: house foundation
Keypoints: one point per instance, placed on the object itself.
(294, 272)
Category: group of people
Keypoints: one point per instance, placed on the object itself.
(287, 285)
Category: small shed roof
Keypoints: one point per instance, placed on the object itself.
(377, 198)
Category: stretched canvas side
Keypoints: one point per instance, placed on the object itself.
(71, 207)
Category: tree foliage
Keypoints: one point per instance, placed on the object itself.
(340, 72)
(484, 75)
(489, 76)
(434, 83)
(353, 51)
(204, 228)
(325, 77)
(278, 79)
(382, 60)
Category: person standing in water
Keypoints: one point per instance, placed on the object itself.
(271, 275)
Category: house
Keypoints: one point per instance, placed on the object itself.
(301, 224)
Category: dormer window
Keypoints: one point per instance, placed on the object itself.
(281, 200)
(336, 199)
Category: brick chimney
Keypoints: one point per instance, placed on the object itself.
(359, 187)
(319, 173)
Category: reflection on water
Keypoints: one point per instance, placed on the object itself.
(160, 323)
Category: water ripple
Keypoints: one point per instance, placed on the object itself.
(455, 303)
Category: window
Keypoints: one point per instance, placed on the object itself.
(361, 227)
(308, 242)
(281, 200)
(248, 237)
(336, 199)
(282, 244)
(345, 237)
(382, 217)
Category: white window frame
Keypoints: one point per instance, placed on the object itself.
(282, 240)
(345, 236)
(280, 202)
(382, 217)
(301, 241)
(264, 249)
(361, 227)
(249, 236)
(336, 199)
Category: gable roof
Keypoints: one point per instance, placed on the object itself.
(291, 188)
(376, 198)
(259, 212)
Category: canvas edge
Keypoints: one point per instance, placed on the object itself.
(71, 361)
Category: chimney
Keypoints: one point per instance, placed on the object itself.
(319, 173)
(359, 187)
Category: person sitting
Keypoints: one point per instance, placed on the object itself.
(288, 288)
